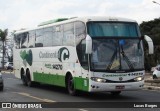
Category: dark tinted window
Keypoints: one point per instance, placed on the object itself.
(24, 40)
(83, 58)
(112, 29)
(17, 41)
(11, 63)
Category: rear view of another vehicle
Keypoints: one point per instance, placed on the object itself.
(10, 66)
(156, 73)
(1, 82)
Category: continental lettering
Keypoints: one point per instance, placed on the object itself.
(48, 55)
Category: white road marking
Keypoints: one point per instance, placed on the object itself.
(83, 110)
(12, 78)
(28, 95)
(7, 72)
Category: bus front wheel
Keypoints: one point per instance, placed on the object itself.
(70, 85)
(115, 93)
(1, 88)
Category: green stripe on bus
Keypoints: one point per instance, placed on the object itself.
(59, 80)
(51, 79)
(81, 83)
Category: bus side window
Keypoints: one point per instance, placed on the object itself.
(82, 56)
(48, 37)
(57, 35)
(54, 38)
(68, 38)
(31, 42)
(24, 40)
(17, 41)
(39, 38)
(80, 32)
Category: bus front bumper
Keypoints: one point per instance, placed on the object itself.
(96, 86)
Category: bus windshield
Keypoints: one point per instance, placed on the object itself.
(112, 29)
(117, 54)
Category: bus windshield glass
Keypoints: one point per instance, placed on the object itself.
(117, 54)
(112, 29)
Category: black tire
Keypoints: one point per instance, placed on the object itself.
(115, 93)
(28, 79)
(1, 88)
(70, 85)
(23, 78)
(155, 77)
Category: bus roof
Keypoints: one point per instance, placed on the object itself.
(83, 19)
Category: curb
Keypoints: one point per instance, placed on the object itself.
(152, 80)
(151, 87)
(7, 72)
(151, 84)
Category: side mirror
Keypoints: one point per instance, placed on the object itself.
(88, 45)
(150, 44)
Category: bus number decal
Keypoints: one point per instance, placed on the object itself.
(54, 66)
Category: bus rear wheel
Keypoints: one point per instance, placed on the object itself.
(28, 79)
(70, 85)
(23, 78)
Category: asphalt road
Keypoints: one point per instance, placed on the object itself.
(14, 91)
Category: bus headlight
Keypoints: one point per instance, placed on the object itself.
(140, 78)
(97, 79)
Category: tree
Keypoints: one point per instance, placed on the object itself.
(3, 37)
(152, 29)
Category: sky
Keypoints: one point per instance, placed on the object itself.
(17, 14)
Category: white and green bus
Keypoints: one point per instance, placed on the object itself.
(91, 54)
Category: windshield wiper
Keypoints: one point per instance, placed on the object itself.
(112, 59)
(126, 59)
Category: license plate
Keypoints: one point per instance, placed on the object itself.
(120, 87)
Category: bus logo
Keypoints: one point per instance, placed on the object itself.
(63, 54)
(26, 56)
(120, 78)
